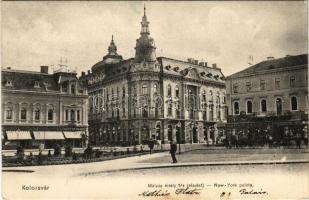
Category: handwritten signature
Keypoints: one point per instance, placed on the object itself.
(179, 191)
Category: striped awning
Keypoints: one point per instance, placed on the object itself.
(48, 135)
(18, 135)
(72, 134)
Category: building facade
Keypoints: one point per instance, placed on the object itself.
(270, 98)
(42, 110)
(133, 100)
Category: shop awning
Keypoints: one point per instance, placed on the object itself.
(48, 135)
(72, 134)
(18, 135)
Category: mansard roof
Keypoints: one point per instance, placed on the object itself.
(190, 70)
(26, 80)
(273, 64)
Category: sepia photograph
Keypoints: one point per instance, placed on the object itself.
(142, 100)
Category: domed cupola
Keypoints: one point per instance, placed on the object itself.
(112, 56)
(145, 49)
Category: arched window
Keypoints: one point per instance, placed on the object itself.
(249, 107)
(23, 114)
(263, 105)
(177, 91)
(211, 112)
(211, 96)
(218, 100)
(204, 96)
(279, 106)
(294, 103)
(169, 90)
(50, 115)
(236, 108)
(37, 114)
(218, 106)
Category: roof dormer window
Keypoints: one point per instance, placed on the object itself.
(36, 84)
(9, 83)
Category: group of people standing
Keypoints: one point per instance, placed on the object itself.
(265, 137)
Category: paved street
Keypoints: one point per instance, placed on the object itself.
(234, 155)
(77, 181)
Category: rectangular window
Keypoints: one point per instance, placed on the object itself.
(262, 85)
(78, 115)
(292, 81)
(9, 114)
(170, 110)
(37, 115)
(144, 89)
(50, 115)
(67, 115)
(235, 88)
(72, 89)
(277, 83)
(248, 86)
(23, 114)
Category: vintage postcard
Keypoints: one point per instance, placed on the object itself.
(154, 100)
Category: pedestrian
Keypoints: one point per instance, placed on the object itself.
(151, 145)
(173, 151)
(298, 139)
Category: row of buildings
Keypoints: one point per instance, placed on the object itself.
(129, 101)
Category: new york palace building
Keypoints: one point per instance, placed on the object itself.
(133, 100)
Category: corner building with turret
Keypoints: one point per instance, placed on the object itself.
(133, 100)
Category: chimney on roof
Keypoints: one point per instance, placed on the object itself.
(83, 74)
(88, 72)
(214, 65)
(191, 60)
(196, 62)
(205, 64)
(44, 69)
(270, 58)
(201, 64)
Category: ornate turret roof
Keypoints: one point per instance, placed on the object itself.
(145, 46)
(112, 55)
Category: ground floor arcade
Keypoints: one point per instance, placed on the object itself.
(130, 132)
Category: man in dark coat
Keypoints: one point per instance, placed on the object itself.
(151, 145)
(173, 151)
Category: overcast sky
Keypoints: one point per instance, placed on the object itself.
(226, 33)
